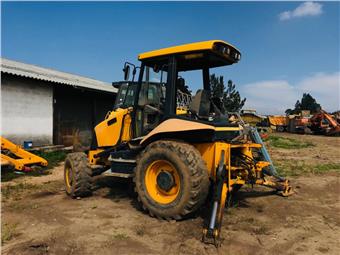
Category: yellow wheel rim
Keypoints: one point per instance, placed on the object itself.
(68, 177)
(156, 191)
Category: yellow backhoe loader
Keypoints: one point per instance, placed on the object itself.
(174, 146)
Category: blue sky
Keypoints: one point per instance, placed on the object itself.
(288, 47)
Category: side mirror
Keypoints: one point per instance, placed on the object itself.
(126, 71)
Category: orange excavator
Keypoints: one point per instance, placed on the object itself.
(324, 123)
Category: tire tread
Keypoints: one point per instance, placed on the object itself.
(199, 180)
(82, 174)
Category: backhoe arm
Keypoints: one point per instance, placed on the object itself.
(13, 154)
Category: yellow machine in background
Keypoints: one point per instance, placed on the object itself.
(278, 122)
(252, 118)
(14, 156)
(173, 145)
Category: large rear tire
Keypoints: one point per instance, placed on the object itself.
(171, 179)
(77, 175)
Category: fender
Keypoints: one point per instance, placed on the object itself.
(186, 130)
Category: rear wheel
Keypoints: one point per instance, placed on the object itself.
(77, 175)
(280, 129)
(171, 179)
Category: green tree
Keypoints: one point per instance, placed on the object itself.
(229, 96)
(307, 103)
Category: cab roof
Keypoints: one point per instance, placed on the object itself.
(194, 55)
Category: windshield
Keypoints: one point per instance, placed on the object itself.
(152, 90)
(153, 87)
(121, 95)
(125, 95)
(130, 95)
(154, 75)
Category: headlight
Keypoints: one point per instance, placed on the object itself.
(237, 56)
(226, 50)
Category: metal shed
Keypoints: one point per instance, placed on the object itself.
(48, 106)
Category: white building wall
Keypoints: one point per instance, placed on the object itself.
(26, 110)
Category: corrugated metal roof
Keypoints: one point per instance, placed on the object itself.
(46, 74)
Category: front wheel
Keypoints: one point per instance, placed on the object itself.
(171, 179)
(77, 175)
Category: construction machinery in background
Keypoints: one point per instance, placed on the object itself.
(268, 123)
(175, 149)
(299, 124)
(323, 123)
(251, 117)
(336, 116)
(14, 156)
(319, 123)
(278, 122)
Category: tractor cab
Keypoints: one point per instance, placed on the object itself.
(160, 103)
(164, 71)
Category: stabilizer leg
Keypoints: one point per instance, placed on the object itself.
(211, 233)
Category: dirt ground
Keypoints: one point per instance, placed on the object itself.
(38, 217)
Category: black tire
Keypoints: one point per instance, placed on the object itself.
(79, 182)
(280, 129)
(307, 131)
(236, 188)
(193, 174)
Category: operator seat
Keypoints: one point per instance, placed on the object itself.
(200, 104)
(150, 103)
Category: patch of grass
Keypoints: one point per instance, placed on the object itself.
(14, 191)
(8, 231)
(8, 175)
(287, 143)
(120, 236)
(322, 168)
(53, 158)
(22, 206)
(18, 206)
(291, 168)
(114, 238)
(296, 168)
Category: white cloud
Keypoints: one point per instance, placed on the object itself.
(304, 9)
(274, 97)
